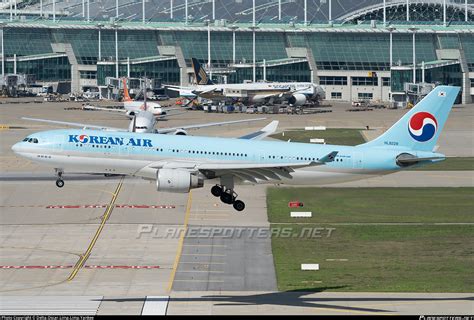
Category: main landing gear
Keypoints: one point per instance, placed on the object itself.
(59, 181)
(227, 196)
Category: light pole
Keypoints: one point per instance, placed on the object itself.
(209, 47)
(384, 13)
(171, 9)
(254, 74)
(116, 26)
(330, 11)
(413, 29)
(233, 28)
(465, 10)
(279, 10)
(213, 9)
(99, 26)
(88, 10)
(408, 10)
(2, 26)
(253, 13)
(444, 13)
(391, 29)
(186, 11)
(305, 12)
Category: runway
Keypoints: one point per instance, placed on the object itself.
(49, 245)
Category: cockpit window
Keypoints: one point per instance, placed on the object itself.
(30, 140)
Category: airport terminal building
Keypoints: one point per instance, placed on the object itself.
(374, 52)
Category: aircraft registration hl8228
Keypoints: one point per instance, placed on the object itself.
(181, 163)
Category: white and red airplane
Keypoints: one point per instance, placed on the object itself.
(131, 107)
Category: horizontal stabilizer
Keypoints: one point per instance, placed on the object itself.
(409, 159)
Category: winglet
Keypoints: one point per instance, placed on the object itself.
(329, 157)
(262, 133)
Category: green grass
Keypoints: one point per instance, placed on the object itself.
(450, 164)
(391, 258)
(379, 258)
(348, 137)
(336, 205)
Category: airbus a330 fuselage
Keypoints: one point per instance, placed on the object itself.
(180, 163)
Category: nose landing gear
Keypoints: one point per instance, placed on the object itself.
(59, 181)
(228, 196)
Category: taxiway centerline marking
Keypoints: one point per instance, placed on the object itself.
(105, 217)
(181, 242)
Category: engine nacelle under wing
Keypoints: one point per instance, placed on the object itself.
(177, 181)
(180, 132)
(259, 98)
(297, 99)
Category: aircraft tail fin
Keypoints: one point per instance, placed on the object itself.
(126, 96)
(201, 75)
(419, 128)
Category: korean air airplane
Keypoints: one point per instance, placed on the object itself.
(181, 163)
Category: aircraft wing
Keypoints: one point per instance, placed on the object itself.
(104, 109)
(263, 133)
(75, 124)
(244, 171)
(204, 125)
(184, 92)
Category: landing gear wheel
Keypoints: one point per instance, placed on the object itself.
(239, 205)
(227, 198)
(60, 183)
(216, 191)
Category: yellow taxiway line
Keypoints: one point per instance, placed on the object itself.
(181, 242)
(105, 217)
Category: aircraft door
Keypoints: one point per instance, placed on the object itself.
(124, 151)
(59, 146)
(357, 160)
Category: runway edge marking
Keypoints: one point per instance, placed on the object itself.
(181, 242)
(105, 217)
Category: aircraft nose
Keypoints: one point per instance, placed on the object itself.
(16, 147)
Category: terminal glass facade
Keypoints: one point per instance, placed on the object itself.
(283, 73)
(167, 71)
(48, 69)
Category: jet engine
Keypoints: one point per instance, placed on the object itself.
(177, 181)
(180, 132)
(131, 114)
(297, 99)
(258, 98)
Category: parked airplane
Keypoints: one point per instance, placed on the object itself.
(132, 107)
(296, 93)
(182, 163)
